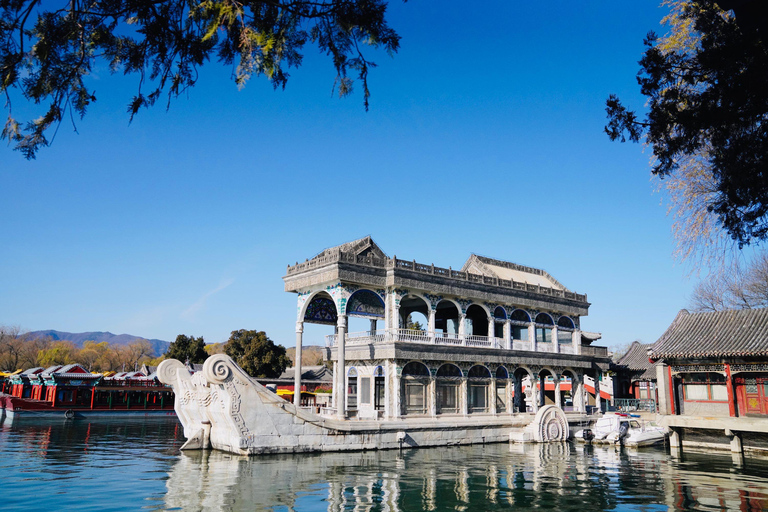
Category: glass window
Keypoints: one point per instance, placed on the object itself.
(519, 333)
(447, 397)
(543, 335)
(378, 399)
(414, 398)
(719, 392)
(478, 397)
(352, 393)
(696, 392)
(501, 397)
(705, 387)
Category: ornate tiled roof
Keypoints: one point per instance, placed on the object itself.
(309, 373)
(360, 247)
(733, 333)
(636, 360)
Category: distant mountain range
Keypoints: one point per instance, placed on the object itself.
(159, 347)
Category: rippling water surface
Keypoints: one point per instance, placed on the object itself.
(135, 464)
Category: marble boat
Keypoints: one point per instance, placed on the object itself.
(223, 408)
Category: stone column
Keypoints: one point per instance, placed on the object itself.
(335, 390)
(532, 335)
(736, 446)
(387, 384)
(558, 398)
(577, 390)
(432, 396)
(492, 396)
(507, 334)
(663, 390)
(341, 378)
(508, 396)
(555, 340)
(491, 328)
(535, 384)
(598, 400)
(297, 365)
(576, 341)
(431, 324)
(464, 397)
(463, 328)
(395, 392)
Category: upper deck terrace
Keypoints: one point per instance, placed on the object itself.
(463, 340)
(339, 265)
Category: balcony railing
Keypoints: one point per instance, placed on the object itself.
(339, 256)
(453, 339)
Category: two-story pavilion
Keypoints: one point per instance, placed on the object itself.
(496, 333)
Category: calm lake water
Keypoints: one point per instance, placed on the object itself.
(135, 464)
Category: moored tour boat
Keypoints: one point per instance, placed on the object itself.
(71, 391)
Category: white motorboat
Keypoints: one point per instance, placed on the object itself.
(626, 429)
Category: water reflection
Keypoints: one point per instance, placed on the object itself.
(548, 477)
(128, 465)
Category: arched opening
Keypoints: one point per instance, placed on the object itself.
(448, 381)
(544, 326)
(352, 389)
(414, 313)
(318, 313)
(522, 384)
(446, 319)
(477, 321)
(502, 381)
(415, 379)
(478, 380)
(379, 393)
(568, 390)
(364, 309)
(321, 310)
(499, 318)
(546, 394)
(519, 321)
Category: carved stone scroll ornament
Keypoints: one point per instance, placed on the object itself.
(191, 396)
(550, 425)
(217, 368)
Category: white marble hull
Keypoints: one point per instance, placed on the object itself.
(223, 408)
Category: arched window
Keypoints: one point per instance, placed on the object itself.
(565, 328)
(352, 389)
(544, 325)
(448, 383)
(379, 384)
(520, 321)
(415, 379)
(502, 377)
(477, 386)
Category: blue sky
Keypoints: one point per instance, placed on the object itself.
(485, 135)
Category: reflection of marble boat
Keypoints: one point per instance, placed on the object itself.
(223, 408)
(625, 429)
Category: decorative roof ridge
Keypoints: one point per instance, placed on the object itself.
(351, 246)
(485, 260)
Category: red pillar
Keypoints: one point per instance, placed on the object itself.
(729, 387)
(93, 396)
